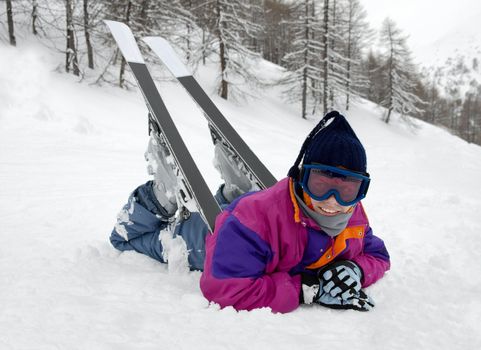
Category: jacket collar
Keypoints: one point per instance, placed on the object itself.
(299, 216)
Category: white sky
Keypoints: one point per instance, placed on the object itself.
(424, 21)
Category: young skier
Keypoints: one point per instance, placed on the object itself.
(304, 240)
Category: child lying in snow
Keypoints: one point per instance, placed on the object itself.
(304, 240)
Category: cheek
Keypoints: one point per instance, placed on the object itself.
(346, 209)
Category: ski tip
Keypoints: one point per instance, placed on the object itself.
(167, 55)
(125, 40)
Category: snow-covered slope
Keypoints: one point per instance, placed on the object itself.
(70, 154)
(462, 39)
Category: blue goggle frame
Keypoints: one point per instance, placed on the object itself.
(365, 180)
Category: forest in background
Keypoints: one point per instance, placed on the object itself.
(330, 55)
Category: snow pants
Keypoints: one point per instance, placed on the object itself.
(140, 221)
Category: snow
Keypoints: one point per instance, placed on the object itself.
(70, 153)
(436, 30)
(462, 38)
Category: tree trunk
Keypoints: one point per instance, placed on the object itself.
(223, 66)
(433, 101)
(332, 46)
(71, 55)
(11, 31)
(304, 72)
(388, 115)
(204, 53)
(34, 17)
(189, 30)
(123, 62)
(189, 33)
(223, 61)
(90, 51)
(144, 13)
(349, 54)
(467, 127)
(391, 92)
(391, 80)
(325, 34)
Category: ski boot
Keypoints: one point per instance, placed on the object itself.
(233, 171)
(165, 181)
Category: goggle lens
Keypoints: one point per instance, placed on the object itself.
(322, 181)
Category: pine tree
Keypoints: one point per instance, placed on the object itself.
(372, 69)
(303, 62)
(232, 33)
(335, 55)
(324, 56)
(469, 110)
(277, 31)
(355, 37)
(399, 74)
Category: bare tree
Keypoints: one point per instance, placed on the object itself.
(11, 29)
(304, 77)
(466, 125)
(356, 36)
(277, 39)
(189, 28)
(128, 9)
(399, 93)
(71, 58)
(333, 40)
(90, 51)
(200, 23)
(34, 16)
(233, 29)
(224, 85)
(325, 63)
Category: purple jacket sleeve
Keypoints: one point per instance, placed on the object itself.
(236, 270)
(374, 259)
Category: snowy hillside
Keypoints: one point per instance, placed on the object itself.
(460, 39)
(70, 153)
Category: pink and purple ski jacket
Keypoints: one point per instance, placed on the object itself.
(263, 241)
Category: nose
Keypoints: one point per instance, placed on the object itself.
(332, 200)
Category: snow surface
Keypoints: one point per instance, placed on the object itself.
(435, 30)
(462, 38)
(70, 154)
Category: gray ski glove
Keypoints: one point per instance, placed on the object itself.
(341, 279)
(360, 301)
(337, 286)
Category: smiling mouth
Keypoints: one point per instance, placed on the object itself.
(328, 212)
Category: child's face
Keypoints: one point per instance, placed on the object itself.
(329, 207)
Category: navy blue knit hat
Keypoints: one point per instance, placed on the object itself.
(334, 145)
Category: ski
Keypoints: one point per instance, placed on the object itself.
(194, 192)
(221, 129)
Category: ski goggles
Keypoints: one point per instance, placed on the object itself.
(322, 181)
